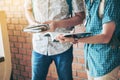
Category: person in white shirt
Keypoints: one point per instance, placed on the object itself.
(56, 13)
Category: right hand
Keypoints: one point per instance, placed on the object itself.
(52, 25)
(63, 39)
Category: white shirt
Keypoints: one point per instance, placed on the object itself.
(45, 10)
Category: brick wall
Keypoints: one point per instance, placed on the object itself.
(20, 45)
(20, 42)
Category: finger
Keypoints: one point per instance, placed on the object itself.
(62, 41)
(59, 38)
(47, 22)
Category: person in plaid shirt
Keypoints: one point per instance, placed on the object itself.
(102, 52)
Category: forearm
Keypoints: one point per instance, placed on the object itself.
(97, 39)
(75, 20)
(104, 37)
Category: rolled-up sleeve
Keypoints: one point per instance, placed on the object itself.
(110, 11)
(78, 6)
(28, 4)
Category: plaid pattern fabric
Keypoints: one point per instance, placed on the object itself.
(101, 58)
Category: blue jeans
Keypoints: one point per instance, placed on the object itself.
(63, 62)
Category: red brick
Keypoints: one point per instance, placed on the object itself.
(12, 56)
(23, 62)
(18, 45)
(82, 74)
(49, 78)
(21, 39)
(12, 44)
(29, 52)
(19, 56)
(14, 66)
(14, 21)
(8, 21)
(54, 75)
(28, 40)
(15, 61)
(19, 27)
(81, 60)
(79, 53)
(77, 66)
(18, 15)
(13, 38)
(10, 33)
(22, 51)
(75, 60)
(17, 33)
(52, 68)
(21, 78)
(16, 72)
(74, 73)
(25, 74)
(20, 67)
(27, 46)
(119, 74)
(23, 21)
(14, 50)
(15, 76)
(77, 78)
(27, 68)
(11, 27)
(24, 34)
(27, 59)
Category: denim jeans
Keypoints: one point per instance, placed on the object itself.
(63, 62)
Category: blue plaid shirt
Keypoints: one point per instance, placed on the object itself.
(101, 58)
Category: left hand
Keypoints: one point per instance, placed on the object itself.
(63, 39)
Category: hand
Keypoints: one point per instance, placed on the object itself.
(52, 25)
(63, 39)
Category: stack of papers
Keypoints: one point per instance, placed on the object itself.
(74, 35)
(36, 28)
